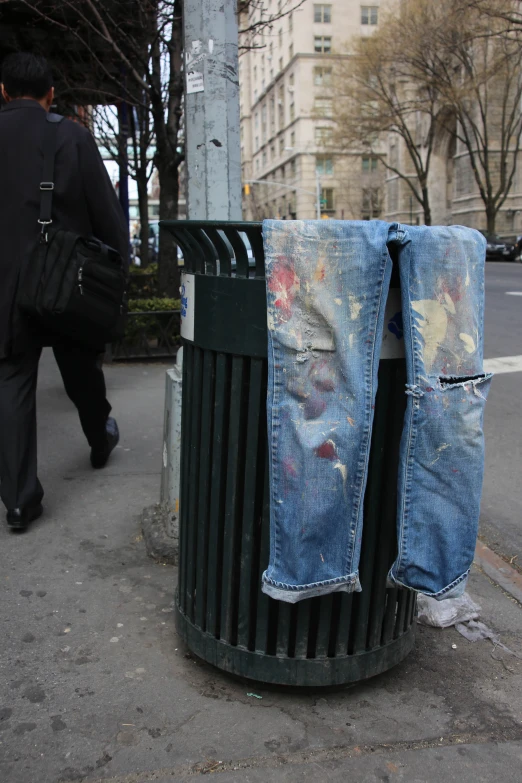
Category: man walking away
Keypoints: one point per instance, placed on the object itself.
(85, 202)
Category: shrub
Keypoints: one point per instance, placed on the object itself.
(153, 303)
(154, 326)
(143, 282)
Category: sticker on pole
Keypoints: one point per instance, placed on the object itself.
(195, 82)
(393, 334)
(187, 306)
(194, 57)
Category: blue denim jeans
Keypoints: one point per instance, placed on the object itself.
(327, 286)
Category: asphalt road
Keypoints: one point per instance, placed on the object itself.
(501, 515)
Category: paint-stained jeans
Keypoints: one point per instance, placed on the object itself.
(327, 284)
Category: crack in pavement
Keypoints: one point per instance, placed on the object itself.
(334, 753)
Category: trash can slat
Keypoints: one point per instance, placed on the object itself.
(233, 504)
(186, 393)
(252, 506)
(194, 463)
(204, 487)
(217, 494)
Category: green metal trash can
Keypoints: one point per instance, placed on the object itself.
(222, 615)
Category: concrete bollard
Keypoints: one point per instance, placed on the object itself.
(172, 441)
(160, 523)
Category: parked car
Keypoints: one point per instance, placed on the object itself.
(506, 248)
(153, 246)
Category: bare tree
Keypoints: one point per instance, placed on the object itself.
(475, 66)
(434, 69)
(132, 51)
(106, 129)
(508, 11)
(255, 18)
(377, 95)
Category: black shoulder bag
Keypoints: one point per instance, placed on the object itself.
(72, 286)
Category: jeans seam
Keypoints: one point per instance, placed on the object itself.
(347, 579)
(362, 468)
(444, 590)
(403, 518)
(274, 450)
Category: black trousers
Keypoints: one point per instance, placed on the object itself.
(84, 382)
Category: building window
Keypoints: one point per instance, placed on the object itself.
(322, 76)
(327, 199)
(291, 80)
(369, 165)
(369, 14)
(323, 135)
(282, 145)
(324, 165)
(272, 151)
(293, 169)
(465, 181)
(272, 115)
(371, 203)
(292, 139)
(257, 164)
(257, 142)
(280, 63)
(281, 110)
(282, 173)
(323, 44)
(291, 51)
(264, 157)
(290, 21)
(280, 36)
(323, 107)
(393, 195)
(322, 13)
(394, 154)
(292, 111)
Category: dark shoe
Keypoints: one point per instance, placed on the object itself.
(19, 518)
(99, 456)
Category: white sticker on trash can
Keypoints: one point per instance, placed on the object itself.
(392, 333)
(187, 306)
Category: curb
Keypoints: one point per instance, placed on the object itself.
(508, 578)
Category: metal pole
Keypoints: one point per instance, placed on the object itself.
(213, 155)
(213, 161)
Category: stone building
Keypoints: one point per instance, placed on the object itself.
(288, 167)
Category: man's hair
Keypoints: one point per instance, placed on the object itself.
(26, 75)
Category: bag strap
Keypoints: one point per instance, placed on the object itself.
(47, 183)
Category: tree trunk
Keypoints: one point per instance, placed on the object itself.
(491, 218)
(168, 271)
(426, 206)
(143, 206)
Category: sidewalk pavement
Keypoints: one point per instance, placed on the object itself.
(95, 685)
